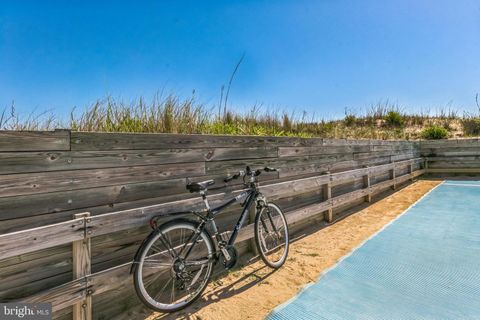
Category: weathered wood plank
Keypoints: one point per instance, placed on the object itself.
(393, 147)
(348, 197)
(404, 156)
(110, 279)
(293, 187)
(302, 170)
(324, 150)
(231, 166)
(314, 164)
(343, 177)
(470, 142)
(465, 158)
(34, 140)
(20, 242)
(119, 141)
(371, 155)
(453, 164)
(37, 204)
(307, 212)
(43, 182)
(347, 142)
(406, 177)
(24, 162)
(451, 152)
(33, 221)
(135, 141)
(62, 296)
(380, 186)
(453, 170)
(31, 276)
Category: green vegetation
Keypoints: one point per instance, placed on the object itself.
(175, 115)
(394, 119)
(434, 132)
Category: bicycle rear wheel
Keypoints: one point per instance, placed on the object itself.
(165, 280)
(271, 235)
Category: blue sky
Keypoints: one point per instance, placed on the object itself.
(318, 56)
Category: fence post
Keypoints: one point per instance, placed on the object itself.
(81, 268)
(393, 177)
(327, 196)
(366, 184)
(410, 170)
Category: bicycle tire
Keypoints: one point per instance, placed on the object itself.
(260, 243)
(138, 272)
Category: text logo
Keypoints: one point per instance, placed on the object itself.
(25, 311)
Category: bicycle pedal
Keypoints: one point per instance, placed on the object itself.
(226, 254)
(229, 257)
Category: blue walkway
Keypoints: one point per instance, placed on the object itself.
(425, 265)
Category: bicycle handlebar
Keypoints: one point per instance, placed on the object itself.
(235, 176)
(248, 172)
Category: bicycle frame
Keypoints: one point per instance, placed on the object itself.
(251, 195)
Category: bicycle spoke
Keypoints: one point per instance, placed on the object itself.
(160, 251)
(156, 264)
(264, 243)
(160, 292)
(168, 245)
(181, 236)
(194, 280)
(269, 216)
(274, 249)
(186, 244)
(155, 276)
(172, 297)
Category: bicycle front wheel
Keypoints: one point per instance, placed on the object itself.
(173, 268)
(271, 235)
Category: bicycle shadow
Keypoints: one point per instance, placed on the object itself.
(222, 292)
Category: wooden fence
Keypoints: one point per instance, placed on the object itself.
(74, 206)
(453, 156)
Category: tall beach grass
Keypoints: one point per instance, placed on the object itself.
(172, 114)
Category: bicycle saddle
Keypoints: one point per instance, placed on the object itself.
(199, 186)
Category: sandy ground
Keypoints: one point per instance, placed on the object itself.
(253, 291)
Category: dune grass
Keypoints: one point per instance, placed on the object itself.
(172, 114)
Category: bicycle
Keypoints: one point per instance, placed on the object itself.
(173, 265)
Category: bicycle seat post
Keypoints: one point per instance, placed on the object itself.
(210, 218)
(205, 200)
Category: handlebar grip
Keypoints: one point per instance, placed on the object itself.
(268, 169)
(230, 178)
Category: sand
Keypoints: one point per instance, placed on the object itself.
(253, 291)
